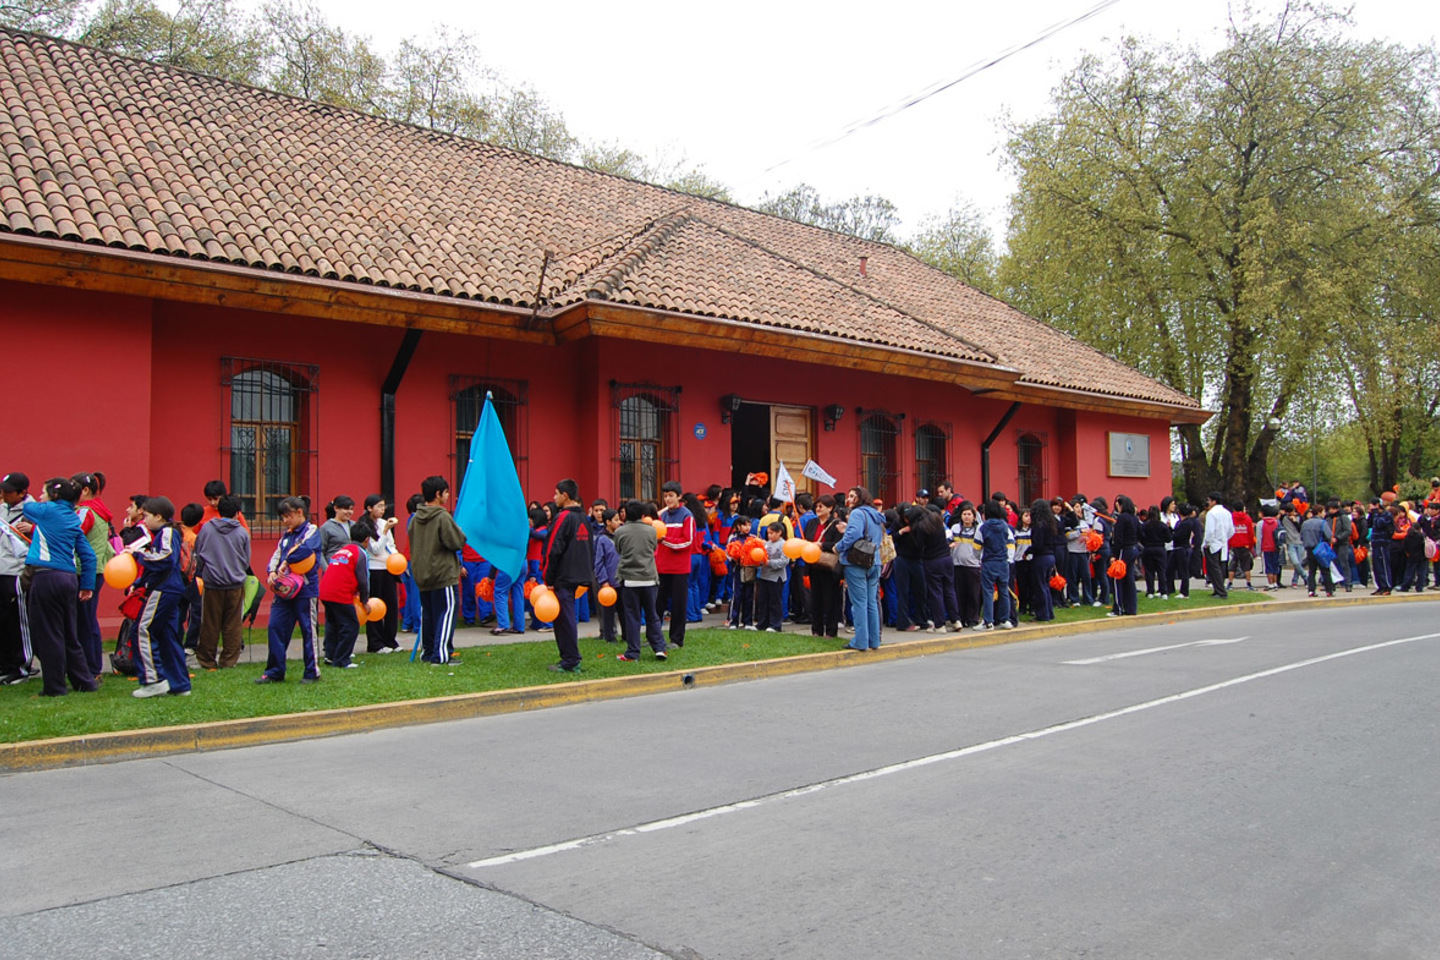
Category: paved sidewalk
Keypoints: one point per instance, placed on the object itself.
(477, 636)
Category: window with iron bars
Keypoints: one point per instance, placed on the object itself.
(646, 421)
(932, 455)
(880, 454)
(467, 402)
(1030, 459)
(269, 416)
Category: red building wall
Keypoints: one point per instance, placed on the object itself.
(133, 388)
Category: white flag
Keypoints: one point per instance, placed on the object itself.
(784, 486)
(813, 471)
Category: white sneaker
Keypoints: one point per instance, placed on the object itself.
(731, 626)
(1005, 625)
(151, 689)
(981, 627)
(771, 630)
(750, 626)
(1097, 603)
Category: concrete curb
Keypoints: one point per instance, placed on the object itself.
(227, 734)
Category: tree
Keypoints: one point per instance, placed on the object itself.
(959, 243)
(869, 217)
(432, 84)
(521, 120)
(52, 17)
(1204, 217)
(308, 57)
(677, 174)
(202, 35)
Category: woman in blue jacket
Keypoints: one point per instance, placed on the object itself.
(862, 581)
(51, 600)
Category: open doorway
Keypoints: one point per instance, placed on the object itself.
(764, 435)
(749, 442)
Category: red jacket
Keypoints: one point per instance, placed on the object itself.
(1244, 535)
(673, 554)
(347, 576)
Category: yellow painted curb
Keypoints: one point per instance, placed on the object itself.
(226, 734)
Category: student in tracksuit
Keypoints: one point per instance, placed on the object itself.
(607, 568)
(569, 565)
(346, 578)
(435, 542)
(635, 543)
(15, 531)
(300, 542)
(52, 598)
(159, 656)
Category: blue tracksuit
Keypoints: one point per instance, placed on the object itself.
(294, 547)
(158, 652)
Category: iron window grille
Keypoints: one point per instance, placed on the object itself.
(879, 453)
(645, 424)
(1031, 478)
(512, 406)
(269, 428)
(932, 454)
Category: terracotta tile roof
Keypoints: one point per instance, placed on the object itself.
(104, 150)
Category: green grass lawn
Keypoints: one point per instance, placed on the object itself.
(232, 694)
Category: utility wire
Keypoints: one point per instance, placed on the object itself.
(940, 86)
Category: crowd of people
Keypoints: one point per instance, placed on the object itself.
(848, 565)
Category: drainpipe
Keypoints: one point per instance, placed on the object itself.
(387, 413)
(985, 450)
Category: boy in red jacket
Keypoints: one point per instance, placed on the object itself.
(346, 578)
(1242, 545)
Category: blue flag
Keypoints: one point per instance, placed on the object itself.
(491, 508)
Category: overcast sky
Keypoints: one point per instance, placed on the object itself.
(741, 87)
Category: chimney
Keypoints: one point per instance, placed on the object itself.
(863, 261)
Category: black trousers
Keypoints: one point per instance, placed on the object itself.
(380, 634)
(567, 628)
(52, 605)
(1215, 573)
(825, 603)
(14, 649)
(675, 596)
(768, 614)
(342, 628)
(635, 601)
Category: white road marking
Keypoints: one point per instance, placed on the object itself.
(706, 814)
(1141, 653)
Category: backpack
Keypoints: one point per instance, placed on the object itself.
(122, 661)
(187, 558)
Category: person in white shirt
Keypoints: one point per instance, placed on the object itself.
(380, 634)
(1219, 528)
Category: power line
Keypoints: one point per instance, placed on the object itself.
(941, 86)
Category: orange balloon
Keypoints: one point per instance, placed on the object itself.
(606, 595)
(396, 564)
(758, 554)
(539, 590)
(303, 567)
(200, 586)
(580, 591)
(810, 552)
(375, 609)
(121, 571)
(660, 528)
(793, 548)
(360, 610)
(547, 608)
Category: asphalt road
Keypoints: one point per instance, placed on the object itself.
(1271, 796)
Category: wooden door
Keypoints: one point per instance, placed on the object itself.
(790, 442)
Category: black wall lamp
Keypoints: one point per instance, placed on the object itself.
(729, 406)
(833, 413)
